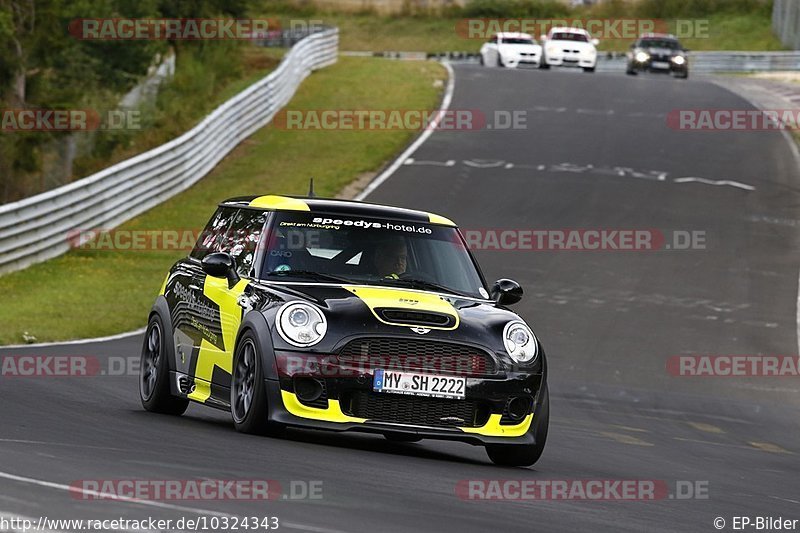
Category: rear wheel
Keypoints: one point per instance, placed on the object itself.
(248, 391)
(154, 373)
(525, 454)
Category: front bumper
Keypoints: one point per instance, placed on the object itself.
(514, 62)
(659, 66)
(572, 61)
(346, 398)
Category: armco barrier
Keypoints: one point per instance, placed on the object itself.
(37, 228)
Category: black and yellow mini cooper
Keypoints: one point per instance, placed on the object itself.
(346, 316)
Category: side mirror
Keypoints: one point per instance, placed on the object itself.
(595, 42)
(506, 291)
(221, 265)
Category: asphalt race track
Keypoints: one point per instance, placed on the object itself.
(596, 154)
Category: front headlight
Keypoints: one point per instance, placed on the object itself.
(520, 342)
(679, 60)
(301, 324)
(642, 57)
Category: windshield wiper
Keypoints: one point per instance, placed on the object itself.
(422, 284)
(318, 276)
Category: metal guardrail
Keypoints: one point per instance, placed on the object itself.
(712, 62)
(37, 228)
(699, 62)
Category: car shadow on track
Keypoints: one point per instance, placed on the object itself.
(351, 441)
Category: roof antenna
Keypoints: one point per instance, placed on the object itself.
(311, 189)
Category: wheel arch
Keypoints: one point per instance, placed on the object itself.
(256, 323)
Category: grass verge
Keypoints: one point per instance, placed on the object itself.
(366, 31)
(88, 293)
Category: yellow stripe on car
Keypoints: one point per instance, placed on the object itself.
(283, 203)
(493, 428)
(230, 316)
(377, 298)
(439, 219)
(332, 414)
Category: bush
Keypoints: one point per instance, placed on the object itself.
(516, 9)
(700, 8)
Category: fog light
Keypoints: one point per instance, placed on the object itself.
(518, 408)
(307, 389)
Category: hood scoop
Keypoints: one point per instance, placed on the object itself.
(416, 318)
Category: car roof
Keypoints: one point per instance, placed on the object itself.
(514, 35)
(330, 206)
(658, 36)
(568, 29)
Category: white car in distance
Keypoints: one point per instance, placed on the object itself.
(569, 47)
(511, 50)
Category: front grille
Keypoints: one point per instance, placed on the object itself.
(415, 410)
(417, 355)
(416, 318)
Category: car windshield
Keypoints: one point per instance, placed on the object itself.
(345, 249)
(660, 43)
(577, 37)
(517, 40)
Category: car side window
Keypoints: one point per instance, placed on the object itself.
(245, 234)
(235, 231)
(212, 239)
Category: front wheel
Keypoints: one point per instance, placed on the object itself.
(248, 391)
(588, 69)
(154, 373)
(525, 454)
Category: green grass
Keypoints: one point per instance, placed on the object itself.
(92, 293)
(371, 32)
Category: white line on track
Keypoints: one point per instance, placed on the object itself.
(386, 174)
(77, 341)
(149, 503)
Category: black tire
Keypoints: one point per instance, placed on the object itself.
(543, 64)
(683, 76)
(481, 60)
(630, 72)
(588, 69)
(248, 391)
(154, 372)
(525, 454)
(401, 437)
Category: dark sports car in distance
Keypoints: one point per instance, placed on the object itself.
(656, 52)
(346, 316)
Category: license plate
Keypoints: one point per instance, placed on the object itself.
(660, 64)
(419, 384)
